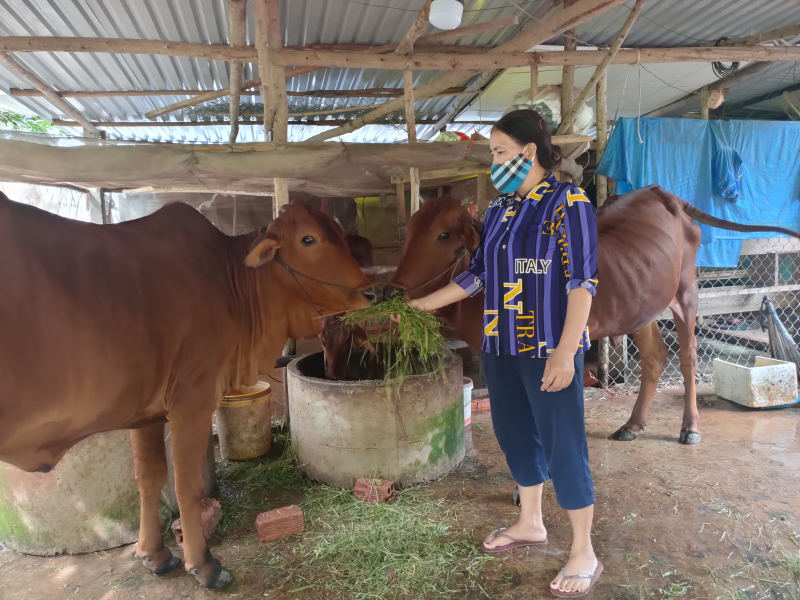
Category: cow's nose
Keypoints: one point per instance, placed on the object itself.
(391, 291)
(370, 295)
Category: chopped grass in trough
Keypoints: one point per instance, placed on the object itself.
(415, 346)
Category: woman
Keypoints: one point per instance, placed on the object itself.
(537, 264)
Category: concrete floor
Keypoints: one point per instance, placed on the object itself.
(708, 521)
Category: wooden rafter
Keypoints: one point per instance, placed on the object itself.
(558, 23)
(15, 67)
(415, 31)
(768, 36)
(507, 60)
(430, 39)
(566, 121)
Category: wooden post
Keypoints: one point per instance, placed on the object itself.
(483, 201)
(233, 226)
(567, 120)
(401, 212)
(567, 84)
(261, 9)
(704, 103)
(237, 27)
(601, 181)
(408, 100)
(534, 82)
(102, 194)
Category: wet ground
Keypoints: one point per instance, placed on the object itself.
(717, 520)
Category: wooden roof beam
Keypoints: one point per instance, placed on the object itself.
(587, 9)
(417, 28)
(11, 64)
(566, 122)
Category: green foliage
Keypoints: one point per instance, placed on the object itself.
(17, 122)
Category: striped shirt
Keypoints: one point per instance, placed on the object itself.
(533, 251)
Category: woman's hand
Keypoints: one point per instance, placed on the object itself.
(419, 304)
(559, 370)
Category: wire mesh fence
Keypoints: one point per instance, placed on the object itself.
(727, 325)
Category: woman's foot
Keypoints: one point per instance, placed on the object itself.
(583, 563)
(518, 531)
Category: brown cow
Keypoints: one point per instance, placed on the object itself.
(151, 321)
(647, 244)
(339, 343)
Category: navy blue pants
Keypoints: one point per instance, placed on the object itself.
(541, 433)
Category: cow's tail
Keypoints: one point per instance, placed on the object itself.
(707, 219)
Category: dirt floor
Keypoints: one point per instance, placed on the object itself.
(717, 520)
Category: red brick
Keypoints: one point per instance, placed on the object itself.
(374, 490)
(210, 515)
(278, 523)
(480, 405)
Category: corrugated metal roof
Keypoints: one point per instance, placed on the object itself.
(305, 22)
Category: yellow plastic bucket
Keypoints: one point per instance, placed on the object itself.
(244, 423)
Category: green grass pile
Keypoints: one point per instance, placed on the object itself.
(415, 346)
(243, 488)
(409, 548)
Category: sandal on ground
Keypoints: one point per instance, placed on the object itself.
(592, 580)
(515, 543)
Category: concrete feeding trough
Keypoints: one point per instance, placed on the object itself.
(769, 383)
(411, 432)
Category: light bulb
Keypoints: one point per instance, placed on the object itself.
(446, 14)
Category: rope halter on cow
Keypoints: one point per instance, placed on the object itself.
(451, 268)
(295, 273)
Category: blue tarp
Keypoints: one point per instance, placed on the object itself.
(743, 171)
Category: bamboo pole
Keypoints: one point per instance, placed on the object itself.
(237, 19)
(271, 22)
(768, 36)
(401, 213)
(601, 68)
(580, 12)
(534, 82)
(417, 28)
(12, 65)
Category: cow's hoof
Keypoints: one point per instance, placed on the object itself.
(160, 565)
(623, 435)
(212, 575)
(689, 437)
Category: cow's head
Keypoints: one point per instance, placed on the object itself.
(308, 252)
(339, 343)
(439, 239)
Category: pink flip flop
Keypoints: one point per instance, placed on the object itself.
(592, 580)
(515, 543)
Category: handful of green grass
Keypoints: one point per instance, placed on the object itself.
(416, 346)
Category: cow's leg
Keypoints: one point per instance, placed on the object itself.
(150, 465)
(653, 355)
(684, 312)
(189, 446)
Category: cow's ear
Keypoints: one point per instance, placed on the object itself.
(262, 251)
(472, 238)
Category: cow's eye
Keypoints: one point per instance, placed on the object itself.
(445, 236)
(308, 241)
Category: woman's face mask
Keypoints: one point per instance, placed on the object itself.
(509, 176)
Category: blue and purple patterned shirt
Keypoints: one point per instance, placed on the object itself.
(533, 251)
